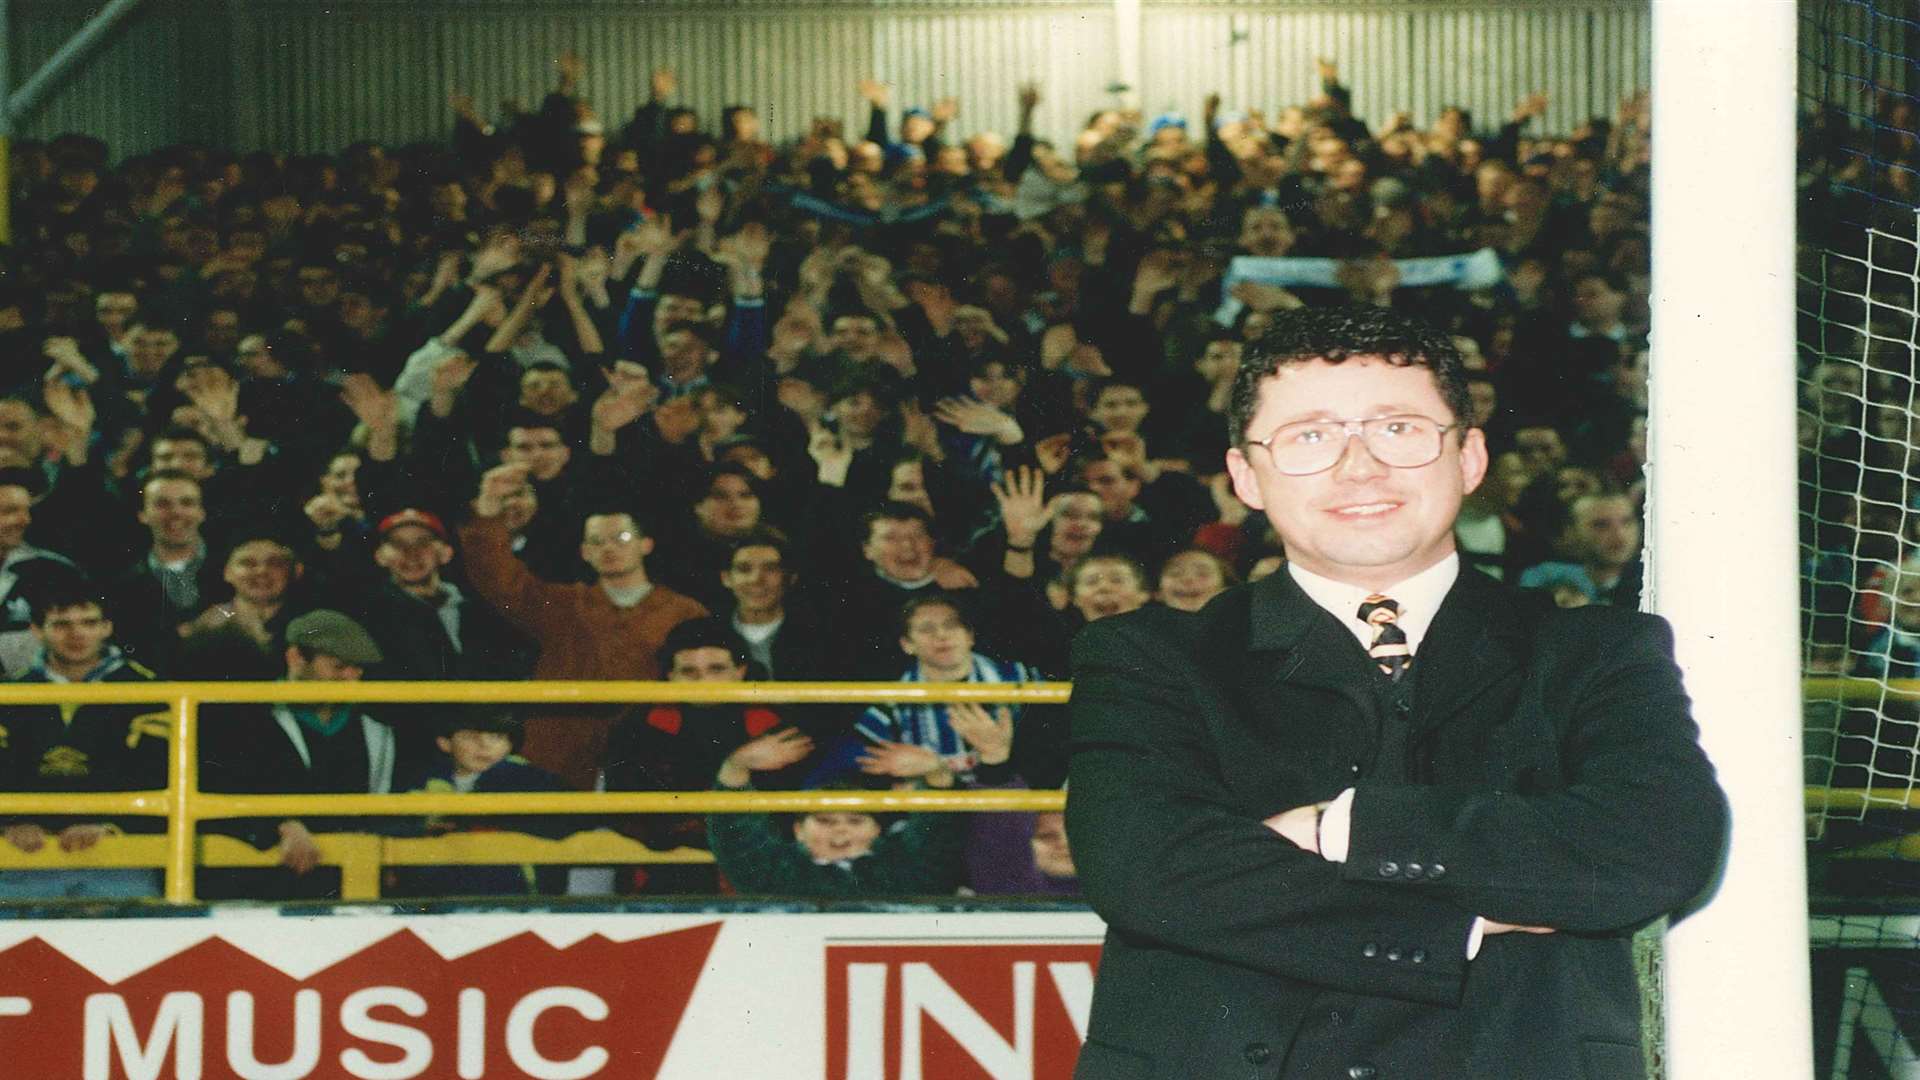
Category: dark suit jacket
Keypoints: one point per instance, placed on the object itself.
(1552, 779)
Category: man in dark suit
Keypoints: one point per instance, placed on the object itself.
(1376, 816)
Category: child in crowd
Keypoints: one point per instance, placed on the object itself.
(476, 756)
(827, 854)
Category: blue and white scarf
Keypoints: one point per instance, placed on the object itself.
(926, 725)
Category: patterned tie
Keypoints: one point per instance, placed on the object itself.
(1389, 648)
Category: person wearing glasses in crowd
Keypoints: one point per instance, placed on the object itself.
(611, 628)
(1377, 815)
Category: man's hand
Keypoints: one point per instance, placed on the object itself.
(1028, 97)
(903, 760)
(1328, 69)
(1493, 927)
(1299, 826)
(710, 204)
(496, 486)
(65, 353)
(951, 575)
(991, 733)
(620, 406)
(82, 837)
(774, 750)
(72, 407)
(831, 455)
(373, 404)
(1534, 104)
(449, 376)
(945, 110)
(1053, 451)
(298, 852)
(1261, 297)
(327, 511)
(27, 838)
(663, 83)
(496, 255)
(874, 91)
(1021, 494)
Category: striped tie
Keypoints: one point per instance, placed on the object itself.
(1389, 648)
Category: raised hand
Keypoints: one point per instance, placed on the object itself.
(327, 511)
(72, 406)
(1029, 96)
(1052, 452)
(622, 405)
(774, 750)
(945, 110)
(830, 453)
(496, 255)
(903, 760)
(1021, 494)
(989, 732)
(497, 485)
(874, 91)
(710, 204)
(978, 418)
(65, 352)
(374, 405)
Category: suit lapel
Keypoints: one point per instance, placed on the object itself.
(1476, 638)
(1287, 643)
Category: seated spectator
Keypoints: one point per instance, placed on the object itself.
(81, 749)
(610, 629)
(297, 749)
(475, 755)
(678, 747)
(1602, 542)
(1191, 578)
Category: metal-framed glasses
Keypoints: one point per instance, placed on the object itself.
(1403, 441)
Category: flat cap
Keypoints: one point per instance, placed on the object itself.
(330, 632)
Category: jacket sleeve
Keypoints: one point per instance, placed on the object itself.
(1633, 832)
(1166, 854)
(504, 581)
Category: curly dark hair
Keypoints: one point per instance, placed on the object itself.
(1338, 334)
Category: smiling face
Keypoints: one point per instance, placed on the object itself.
(1190, 579)
(1106, 585)
(938, 638)
(412, 556)
(1359, 522)
(171, 510)
(261, 570)
(831, 837)
(902, 549)
(756, 577)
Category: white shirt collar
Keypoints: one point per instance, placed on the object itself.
(1418, 596)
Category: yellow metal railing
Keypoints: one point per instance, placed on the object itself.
(184, 805)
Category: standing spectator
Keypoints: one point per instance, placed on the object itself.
(23, 567)
(611, 628)
(175, 580)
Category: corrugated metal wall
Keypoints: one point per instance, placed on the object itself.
(301, 76)
(1853, 50)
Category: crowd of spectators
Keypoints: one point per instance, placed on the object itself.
(581, 397)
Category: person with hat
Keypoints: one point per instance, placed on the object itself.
(427, 628)
(298, 749)
(475, 753)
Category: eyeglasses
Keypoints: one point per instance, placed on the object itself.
(618, 538)
(1405, 441)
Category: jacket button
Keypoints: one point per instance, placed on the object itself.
(1436, 872)
(1393, 955)
(1414, 871)
(1369, 950)
(1258, 1053)
(1389, 868)
(1419, 956)
(1362, 1071)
